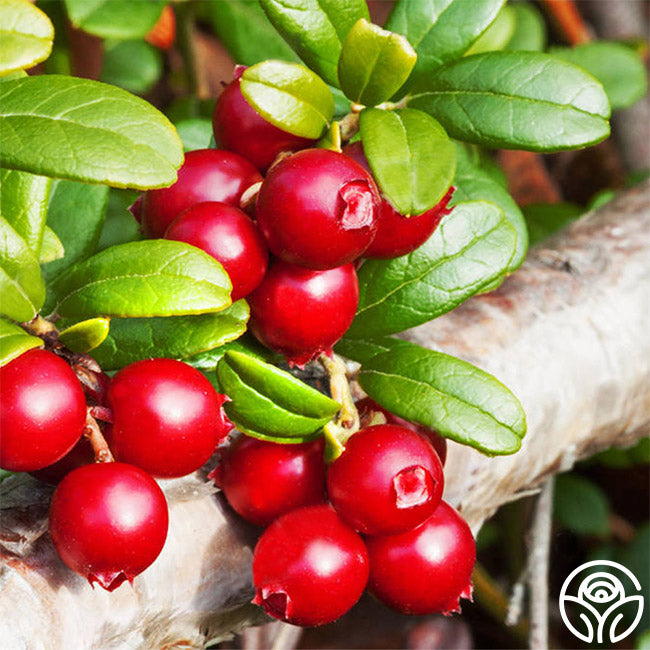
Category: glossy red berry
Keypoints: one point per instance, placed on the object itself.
(396, 234)
(301, 313)
(427, 569)
(387, 480)
(206, 175)
(167, 417)
(318, 209)
(309, 567)
(366, 405)
(229, 236)
(239, 128)
(263, 480)
(42, 411)
(108, 522)
(81, 454)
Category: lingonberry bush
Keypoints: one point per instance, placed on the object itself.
(344, 197)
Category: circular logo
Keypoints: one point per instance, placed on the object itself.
(597, 600)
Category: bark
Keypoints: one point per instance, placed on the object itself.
(567, 333)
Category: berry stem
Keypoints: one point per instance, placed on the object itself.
(94, 434)
(41, 327)
(349, 126)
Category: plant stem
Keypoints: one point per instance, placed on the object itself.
(568, 18)
(40, 327)
(94, 434)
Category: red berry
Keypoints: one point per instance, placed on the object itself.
(396, 234)
(108, 522)
(42, 411)
(81, 454)
(263, 480)
(427, 569)
(309, 568)
(167, 417)
(366, 405)
(229, 236)
(239, 128)
(387, 480)
(318, 208)
(206, 175)
(163, 33)
(301, 313)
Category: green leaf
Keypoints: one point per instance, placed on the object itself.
(120, 227)
(580, 505)
(86, 130)
(362, 350)
(195, 133)
(245, 31)
(440, 30)
(133, 65)
(411, 157)
(52, 248)
(23, 203)
(374, 63)
(176, 337)
(470, 249)
(617, 67)
(115, 18)
(530, 28)
(456, 399)
(14, 340)
(26, 35)
(332, 138)
(475, 181)
(497, 35)
(315, 29)
(290, 96)
(544, 219)
(154, 277)
(269, 403)
(247, 344)
(517, 100)
(85, 336)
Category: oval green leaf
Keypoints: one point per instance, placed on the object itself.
(176, 337)
(85, 336)
(115, 18)
(411, 157)
(374, 63)
(14, 340)
(471, 248)
(86, 130)
(497, 35)
(270, 403)
(26, 35)
(52, 248)
(155, 277)
(195, 133)
(315, 29)
(530, 29)
(517, 100)
(133, 65)
(290, 96)
(456, 399)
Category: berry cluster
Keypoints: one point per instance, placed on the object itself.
(385, 526)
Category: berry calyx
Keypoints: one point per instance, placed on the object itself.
(427, 569)
(238, 127)
(309, 567)
(108, 522)
(263, 480)
(387, 480)
(396, 234)
(366, 405)
(301, 313)
(229, 236)
(318, 209)
(206, 175)
(42, 411)
(167, 417)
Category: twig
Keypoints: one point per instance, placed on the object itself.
(568, 19)
(100, 446)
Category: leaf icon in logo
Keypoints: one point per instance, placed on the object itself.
(587, 614)
(615, 612)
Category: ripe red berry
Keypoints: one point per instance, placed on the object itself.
(309, 567)
(396, 234)
(167, 417)
(229, 236)
(42, 411)
(81, 454)
(108, 522)
(318, 208)
(163, 33)
(427, 569)
(263, 480)
(301, 313)
(387, 480)
(366, 405)
(206, 175)
(239, 128)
